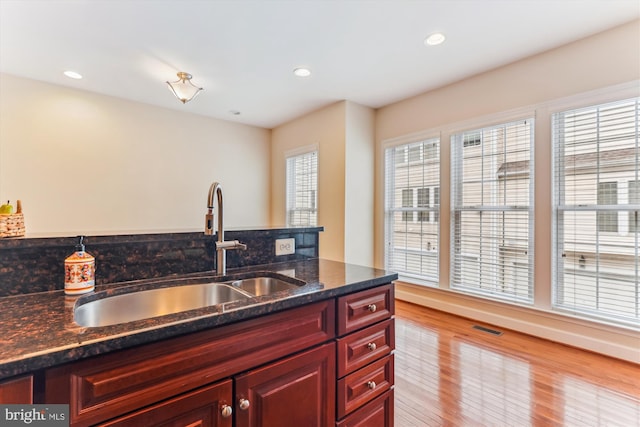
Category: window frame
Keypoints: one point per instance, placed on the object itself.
(291, 187)
(460, 262)
(585, 266)
(414, 215)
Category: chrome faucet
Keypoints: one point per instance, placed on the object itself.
(221, 246)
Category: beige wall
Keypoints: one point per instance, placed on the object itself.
(607, 60)
(86, 163)
(343, 134)
(325, 129)
(359, 185)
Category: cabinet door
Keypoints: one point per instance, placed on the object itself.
(19, 390)
(297, 391)
(206, 407)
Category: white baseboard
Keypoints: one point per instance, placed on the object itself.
(603, 339)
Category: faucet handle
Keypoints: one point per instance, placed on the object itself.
(231, 244)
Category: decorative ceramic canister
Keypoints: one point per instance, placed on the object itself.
(79, 271)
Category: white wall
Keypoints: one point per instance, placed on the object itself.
(609, 59)
(87, 163)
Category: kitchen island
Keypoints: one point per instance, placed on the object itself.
(328, 342)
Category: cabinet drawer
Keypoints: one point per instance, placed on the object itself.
(202, 408)
(360, 387)
(360, 348)
(364, 308)
(104, 387)
(378, 412)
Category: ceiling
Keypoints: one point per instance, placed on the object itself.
(243, 52)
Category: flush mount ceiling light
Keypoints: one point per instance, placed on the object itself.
(72, 75)
(302, 72)
(183, 89)
(434, 39)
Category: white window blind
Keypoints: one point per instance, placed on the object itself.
(492, 211)
(302, 190)
(412, 204)
(596, 208)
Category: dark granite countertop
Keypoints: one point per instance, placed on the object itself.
(37, 330)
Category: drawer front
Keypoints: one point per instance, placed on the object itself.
(378, 412)
(365, 308)
(200, 408)
(363, 347)
(106, 386)
(362, 386)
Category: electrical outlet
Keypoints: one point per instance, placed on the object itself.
(285, 246)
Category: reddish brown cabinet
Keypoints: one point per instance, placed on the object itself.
(103, 387)
(206, 407)
(17, 390)
(366, 340)
(297, 391)
(313, 365)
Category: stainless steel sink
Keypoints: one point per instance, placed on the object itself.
(146, 304)
(259, 286)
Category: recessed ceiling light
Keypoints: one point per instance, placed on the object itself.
(72, 75)
(434, 39)
(302, 72)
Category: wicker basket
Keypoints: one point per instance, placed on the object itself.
(12, 225)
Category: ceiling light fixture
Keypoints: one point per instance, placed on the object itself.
(434, 39)
(183, 89)
(302, 72)
(72, 75)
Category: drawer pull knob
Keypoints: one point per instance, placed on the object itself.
(372, 308)
(372, 346)
(244, 404)
(226, 411)
(371, 385)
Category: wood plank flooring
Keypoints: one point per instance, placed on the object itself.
(449, 374)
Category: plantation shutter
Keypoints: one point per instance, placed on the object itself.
(596, 211)
(492, 211)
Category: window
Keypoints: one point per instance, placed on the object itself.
(302, 189)
(608, 195)
(634, 199)
(407, 202)
(423, 202)
(412, 178)
(596, 153)
(492, 211)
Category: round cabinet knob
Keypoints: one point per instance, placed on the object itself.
(371, 385)
(244, 404)
(226, 411)
(372, 308)
(372, 346)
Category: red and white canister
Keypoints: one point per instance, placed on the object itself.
(79, 271)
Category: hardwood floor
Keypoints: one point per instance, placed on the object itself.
(449, 374)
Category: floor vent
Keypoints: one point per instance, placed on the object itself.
(487, 330)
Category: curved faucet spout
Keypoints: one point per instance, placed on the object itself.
(215, 191)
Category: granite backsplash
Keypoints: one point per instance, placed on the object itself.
(30, 265)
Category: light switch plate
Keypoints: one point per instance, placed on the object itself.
(285, 246)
